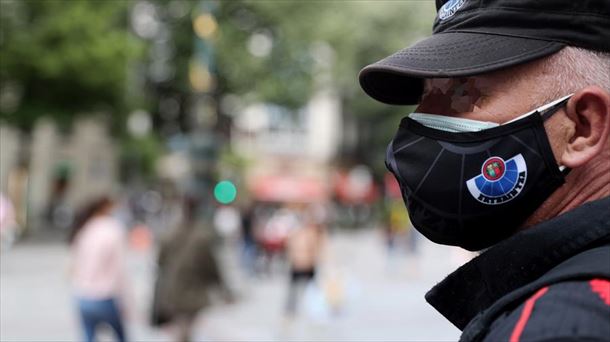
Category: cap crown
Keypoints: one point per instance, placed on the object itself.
(584, 23)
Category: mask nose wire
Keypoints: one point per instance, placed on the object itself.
(389, 157)
(390, 161)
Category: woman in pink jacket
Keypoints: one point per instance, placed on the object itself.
(98, 268)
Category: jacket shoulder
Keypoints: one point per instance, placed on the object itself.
(562, 311)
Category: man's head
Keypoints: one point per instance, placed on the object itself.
(474, 37)
(501, 84)
(579, 133)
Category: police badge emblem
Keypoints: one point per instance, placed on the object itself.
(499, 181)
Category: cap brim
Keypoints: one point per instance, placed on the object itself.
(397, 79)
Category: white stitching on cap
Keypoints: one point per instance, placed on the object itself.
(450, 8)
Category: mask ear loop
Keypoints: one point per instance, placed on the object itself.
(547, 113)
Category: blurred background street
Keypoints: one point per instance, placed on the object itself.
(206, 170)
(385, 300)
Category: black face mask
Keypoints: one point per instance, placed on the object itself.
(473, 189)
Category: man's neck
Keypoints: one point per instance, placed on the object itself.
(586, 184)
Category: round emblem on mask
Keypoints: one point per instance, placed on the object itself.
(499, 181)
(493, 169)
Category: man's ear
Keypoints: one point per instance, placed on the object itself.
(589, 111)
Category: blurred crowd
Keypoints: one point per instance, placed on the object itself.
(185, 233)
(115, 143)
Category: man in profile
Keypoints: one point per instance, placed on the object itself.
(508, 151)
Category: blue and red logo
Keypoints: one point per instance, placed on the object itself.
(493, 169)
(499, 181)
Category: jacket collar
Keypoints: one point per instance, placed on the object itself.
(519, 260)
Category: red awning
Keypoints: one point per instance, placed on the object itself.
(289, 188)
(351, 192)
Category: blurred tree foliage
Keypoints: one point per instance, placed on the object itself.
(138, 157)
(347, 34)
(63, 58)
(358, 33)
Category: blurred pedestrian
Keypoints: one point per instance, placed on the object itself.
(188, 272)
(303, 247)
(97, 269)
(398, 225)
(59, 214)
(8, 223)
(249, 246)
(274, 235)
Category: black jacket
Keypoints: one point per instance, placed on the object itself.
(550, 282)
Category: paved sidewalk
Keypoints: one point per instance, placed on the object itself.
(383, 298)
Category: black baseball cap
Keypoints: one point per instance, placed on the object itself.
(472, 37)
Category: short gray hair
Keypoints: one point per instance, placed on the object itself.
(574, 68)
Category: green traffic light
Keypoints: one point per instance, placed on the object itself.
(225, 192)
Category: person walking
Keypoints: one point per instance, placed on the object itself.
(188, 273)
(97, 270)
(303, 249)
(249, 251)
(8, 223)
